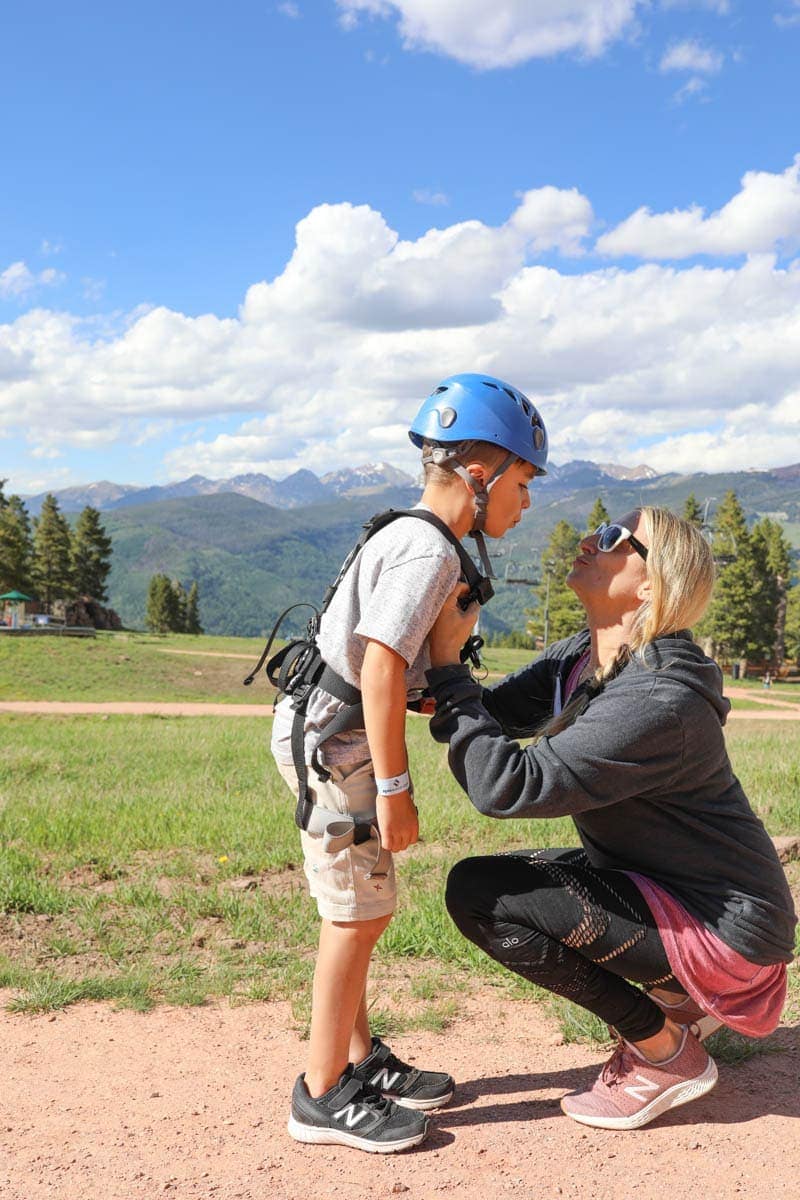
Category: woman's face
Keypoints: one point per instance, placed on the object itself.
(611, 583)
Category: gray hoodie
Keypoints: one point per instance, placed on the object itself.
(643, 772)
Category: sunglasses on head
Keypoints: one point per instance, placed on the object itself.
(609, 536)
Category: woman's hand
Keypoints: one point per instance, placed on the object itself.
(452, 628)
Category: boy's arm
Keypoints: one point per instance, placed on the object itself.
(383, 692)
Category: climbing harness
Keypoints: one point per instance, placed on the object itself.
(298, 669)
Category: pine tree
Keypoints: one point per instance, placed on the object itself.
(193, 610)
(91, 555)
(16, 546)
(52, 554)
(730, 534)
(792, 629)
(179, 620)
(557, 602)
(741, 617)
(772, 546)
(597, 516)
(162, 612)
(692, 512)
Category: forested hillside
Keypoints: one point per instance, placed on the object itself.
(252, 560)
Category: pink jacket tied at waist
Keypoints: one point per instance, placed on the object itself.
(741, 994)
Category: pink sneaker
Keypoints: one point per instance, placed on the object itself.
(631, 1091)
(687, 1013)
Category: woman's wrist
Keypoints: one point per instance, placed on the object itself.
(446, 657)
(439, 673)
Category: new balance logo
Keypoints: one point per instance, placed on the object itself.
(645, 1086)
(351, 1114)
(385, 1080)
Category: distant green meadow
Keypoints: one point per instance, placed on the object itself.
(155, 859)
(142, 666)
(180, 667)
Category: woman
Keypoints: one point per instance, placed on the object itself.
(677, 887)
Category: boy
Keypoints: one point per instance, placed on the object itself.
(482, 442)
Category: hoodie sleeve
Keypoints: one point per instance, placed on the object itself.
(521, 702)
(626, 744)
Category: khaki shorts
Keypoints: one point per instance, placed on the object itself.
(357, 883)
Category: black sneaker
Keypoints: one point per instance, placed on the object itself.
(353, 1114)
(398, 1081)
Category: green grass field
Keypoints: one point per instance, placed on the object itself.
(155, 859)
(175, 667)
(140, 666)
(131, 666)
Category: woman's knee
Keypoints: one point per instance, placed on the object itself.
(469, 894)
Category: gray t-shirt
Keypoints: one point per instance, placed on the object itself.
(392, 594)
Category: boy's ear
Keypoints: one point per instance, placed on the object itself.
(645, 590)
(478, 470)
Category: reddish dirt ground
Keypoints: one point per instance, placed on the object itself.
(774, 710)
(192, 1103)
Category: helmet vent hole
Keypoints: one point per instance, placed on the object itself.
(438, 391)
(491, 385)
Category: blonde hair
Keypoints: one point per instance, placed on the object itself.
(680, 569)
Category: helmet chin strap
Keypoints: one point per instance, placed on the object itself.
(450, 456)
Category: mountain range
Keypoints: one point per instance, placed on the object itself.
(302, 487)
(252, 558)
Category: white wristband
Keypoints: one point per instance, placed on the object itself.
(394, 785)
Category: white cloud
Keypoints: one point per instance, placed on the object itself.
(47, 248)
(721, 7)
(17, 280)
(763, 216)
(790, 17)
(696, 86)
(504, 33)
(428, 196)
(692, 56)
(349, 266)
(289, 9)
(685, 368)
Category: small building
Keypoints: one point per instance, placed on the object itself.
(14, 608)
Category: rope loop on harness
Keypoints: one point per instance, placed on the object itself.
(311, 632)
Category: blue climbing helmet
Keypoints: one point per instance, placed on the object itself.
(477, 408)
(470, 408)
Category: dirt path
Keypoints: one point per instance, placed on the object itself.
(192, 1103)
(738, 693)
(159, 709)
(138, 708)
(206, 653)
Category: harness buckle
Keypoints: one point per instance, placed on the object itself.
(299, 691)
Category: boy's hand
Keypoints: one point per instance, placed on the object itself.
(452, 628)
(397, 821)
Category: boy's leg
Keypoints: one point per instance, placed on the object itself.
(339, 1005)
(361, 1041)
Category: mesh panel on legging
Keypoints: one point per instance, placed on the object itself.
(578, 931)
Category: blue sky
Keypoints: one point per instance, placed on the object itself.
(219, 246)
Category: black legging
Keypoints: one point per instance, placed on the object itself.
(574, 930)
